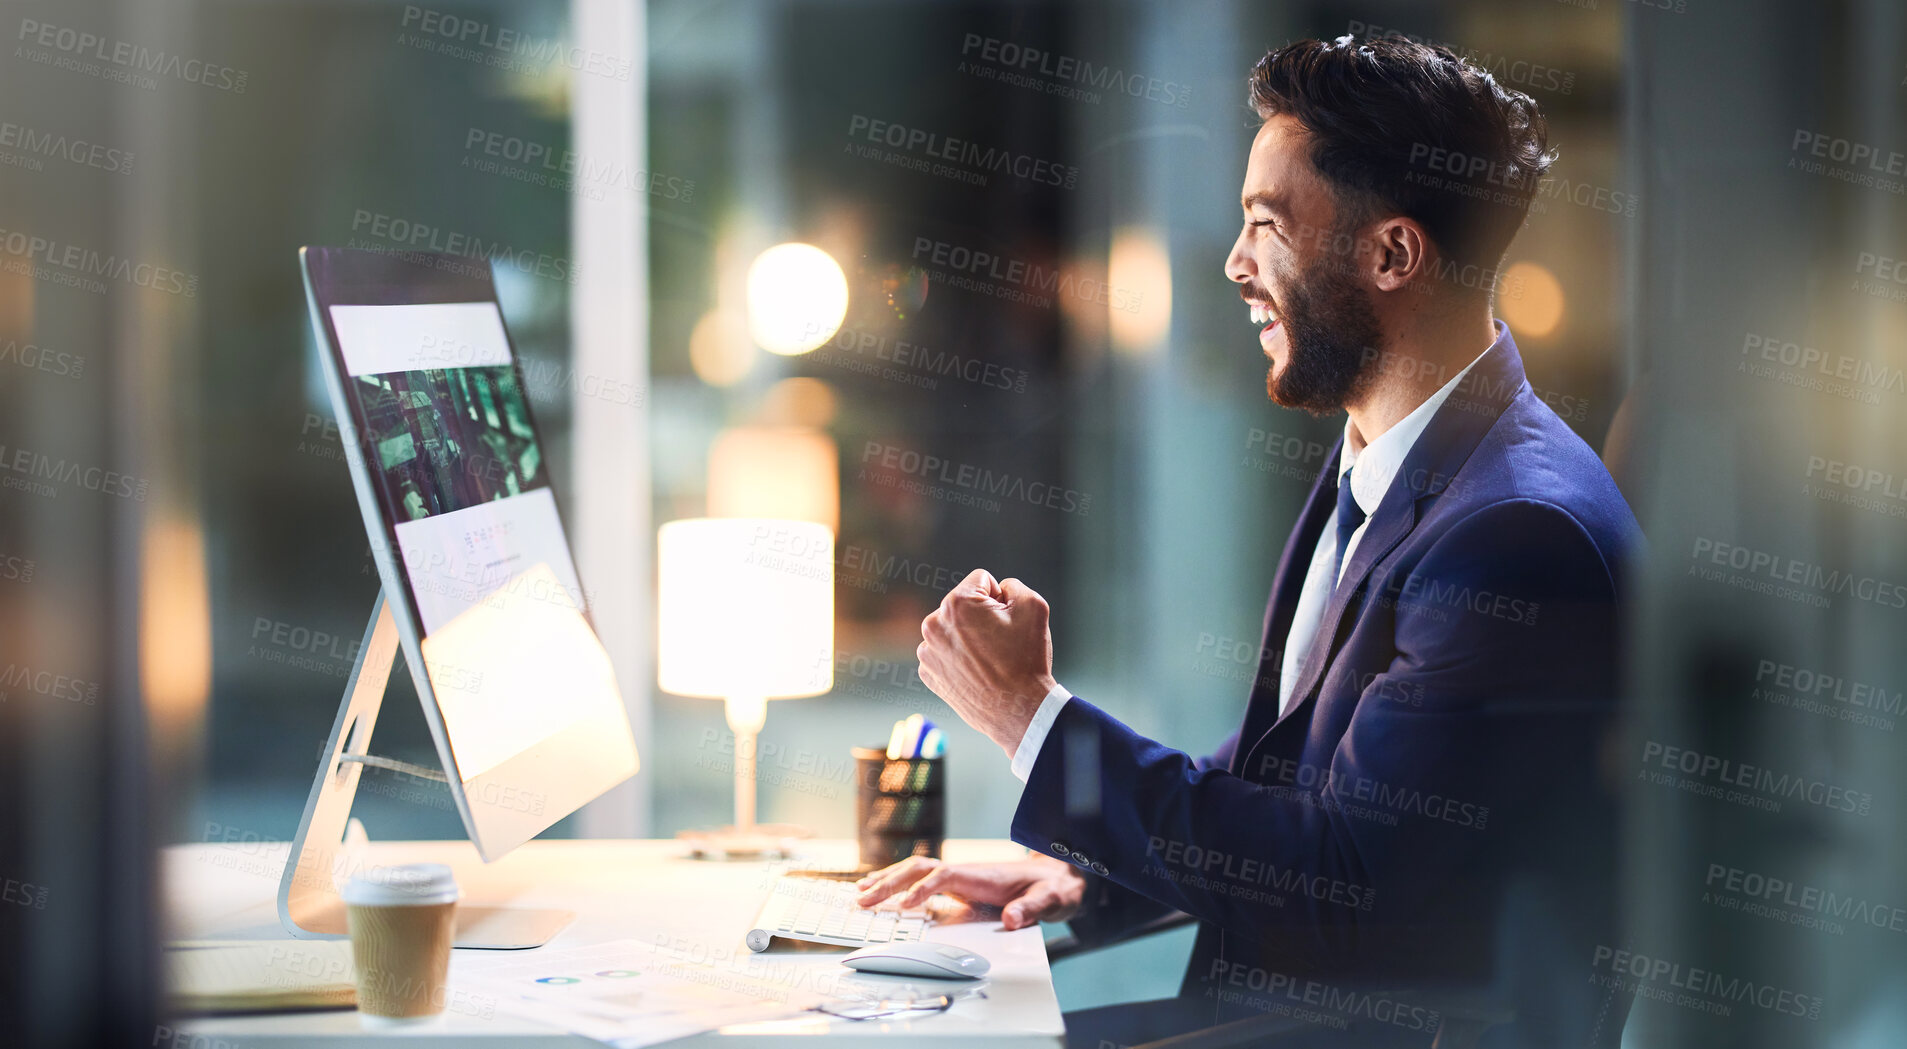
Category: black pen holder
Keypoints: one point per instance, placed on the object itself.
(900, 806)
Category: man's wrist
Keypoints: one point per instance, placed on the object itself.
(1034, 737)
(1029, 701)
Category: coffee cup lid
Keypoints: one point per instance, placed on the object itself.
(410, 883)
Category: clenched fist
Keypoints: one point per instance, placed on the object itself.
(987, 652)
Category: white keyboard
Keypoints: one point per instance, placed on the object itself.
(823, 911)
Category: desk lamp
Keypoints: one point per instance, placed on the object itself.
(745, 615)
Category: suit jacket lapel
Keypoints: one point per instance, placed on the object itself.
(1262, 706)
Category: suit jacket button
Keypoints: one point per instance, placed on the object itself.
(1099, 868)
(1080, 858)
(1060, 850)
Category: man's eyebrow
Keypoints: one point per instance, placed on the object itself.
(1274, 202)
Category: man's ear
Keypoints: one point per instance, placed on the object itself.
(1402, 253)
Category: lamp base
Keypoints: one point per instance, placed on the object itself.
(764, 841)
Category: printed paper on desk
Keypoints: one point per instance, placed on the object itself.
(630, 994)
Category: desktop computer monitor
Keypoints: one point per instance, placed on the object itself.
(479, 590)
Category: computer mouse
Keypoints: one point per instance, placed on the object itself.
(933, 960)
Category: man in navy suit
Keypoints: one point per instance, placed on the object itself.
(1413, 799)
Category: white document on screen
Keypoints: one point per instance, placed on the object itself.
(459, 559)
(380, 339)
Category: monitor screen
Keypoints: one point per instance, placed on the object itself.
(453, 456)
(454, 486)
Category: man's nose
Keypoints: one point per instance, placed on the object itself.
(1239, 266)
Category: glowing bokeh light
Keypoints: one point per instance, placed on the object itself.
(1139, 272)
(1531, 300)
(798, 401)
(797, 298)
(786, 472)
(719, 349)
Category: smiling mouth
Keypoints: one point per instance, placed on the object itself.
(1262, 315)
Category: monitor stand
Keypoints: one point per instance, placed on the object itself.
(308, 903)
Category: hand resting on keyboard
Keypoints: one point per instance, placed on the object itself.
(1026, 892)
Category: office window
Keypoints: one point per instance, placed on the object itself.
(357, 128)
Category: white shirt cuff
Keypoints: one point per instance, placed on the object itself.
(1037, 729)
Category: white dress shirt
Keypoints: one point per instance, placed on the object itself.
(1378, 464)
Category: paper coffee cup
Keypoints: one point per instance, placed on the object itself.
(402, 921)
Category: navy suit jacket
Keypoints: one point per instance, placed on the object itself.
(1429, 809)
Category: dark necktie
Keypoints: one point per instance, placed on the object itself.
(1350, 515)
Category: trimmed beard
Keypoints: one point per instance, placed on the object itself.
(1332, 331)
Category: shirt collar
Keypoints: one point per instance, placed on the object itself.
(1383, 457)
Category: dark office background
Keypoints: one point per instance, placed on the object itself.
(1683, 233)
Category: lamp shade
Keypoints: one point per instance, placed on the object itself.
(745, 608)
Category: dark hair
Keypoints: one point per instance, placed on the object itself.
(1399, 127)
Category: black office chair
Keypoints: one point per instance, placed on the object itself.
(1621, 454)
(1465, 1016)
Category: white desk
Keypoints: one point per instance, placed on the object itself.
(642, 890)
